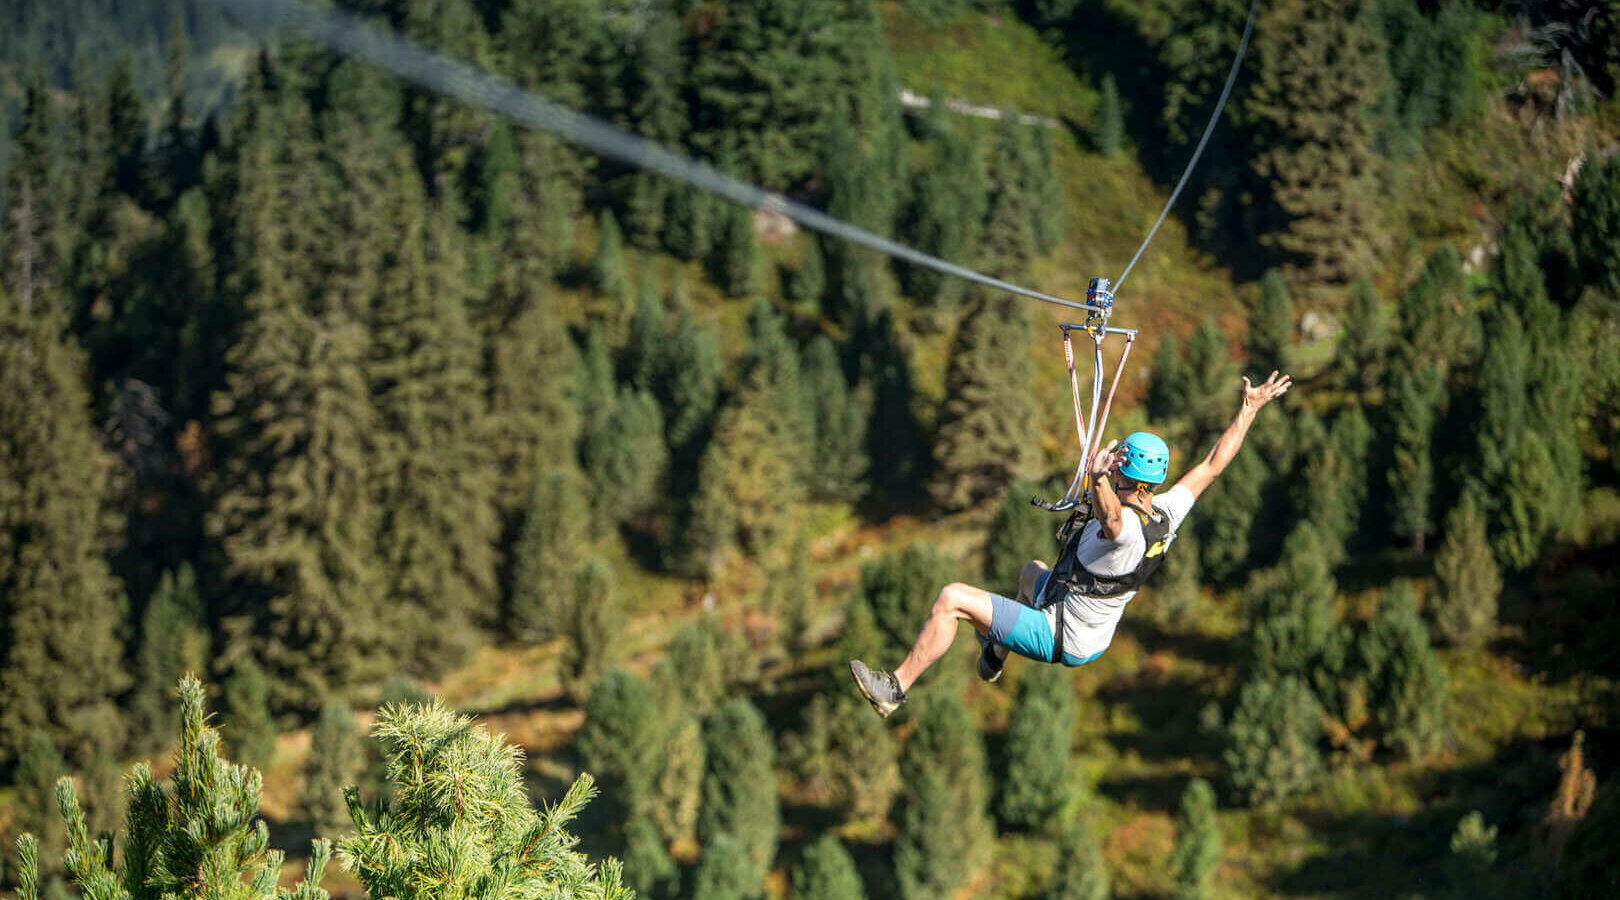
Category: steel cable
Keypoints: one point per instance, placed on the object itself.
(350, 35)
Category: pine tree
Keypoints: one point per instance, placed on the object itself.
(1319, 73)
(767, 436)
(609, 272)
(293, 508)
(1229, 513)
(1198, 842)
(986, 424)
(707, 536)
(648, 868)
(895, 446)
(1516, 467)
(1409, 691)
(1107, 130)
(898, 588)
(642, 361)
(826, 872)
(1336, 483)
(687, 225)
(839, 455)
(595, 619)
(527, 205)
(1018, 533)
(807, 284)
(658, 113)
(1040, 738)
(1292, 606)
(1473, 854)
(625, 458)
(1176, 588)
(1595, 221)
(1081, 872)
(32, 259)
(946, 210)
(739, 785)
(172, 643)
(1271, 326)
(548, 554)
(679, 791)
(619, 744)
(247, 713)
(1194, 384)
(696, 660)
(1413, 410)
(849, 762)
(1468, 578)
(198, 835)
(434, 473)
(740, 265)
(61, 662)
(39, 765)
(774, 124)
(506, 848)
(725, 872)
(943, 827)
(1046, 187)
(534, 421)
(689, 389)
(1272, 754)
(1364, 341)
(336, 758)
(1011, 229)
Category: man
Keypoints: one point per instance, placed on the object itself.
(1114, 552)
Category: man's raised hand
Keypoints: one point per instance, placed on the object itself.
(1274, 387)
(1106, 461)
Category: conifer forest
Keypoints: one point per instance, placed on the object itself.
(397, 501)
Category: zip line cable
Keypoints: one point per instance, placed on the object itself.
(412, 62)
(1231, 79)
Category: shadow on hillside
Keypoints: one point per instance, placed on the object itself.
(1565, 626)
(1379, 855)
(1155, 637)
(557, 702)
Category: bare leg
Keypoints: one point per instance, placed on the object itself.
(955, 602)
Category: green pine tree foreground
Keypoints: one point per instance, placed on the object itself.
(197, 836)
(460, 825)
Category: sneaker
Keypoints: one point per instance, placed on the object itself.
(992, 657)
(878, 686)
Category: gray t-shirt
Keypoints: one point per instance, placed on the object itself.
(1089, 622)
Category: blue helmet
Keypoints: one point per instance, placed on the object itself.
(1147, 458)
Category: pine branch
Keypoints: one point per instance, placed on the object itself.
(28, 862)
(86, 860)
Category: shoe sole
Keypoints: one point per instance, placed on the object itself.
(992, 677)
(882, 707)
(984, 664)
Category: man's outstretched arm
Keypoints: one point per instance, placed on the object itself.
(1226, 446)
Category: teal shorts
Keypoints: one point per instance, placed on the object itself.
(1025, 631)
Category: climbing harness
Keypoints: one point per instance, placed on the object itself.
(1069, 577)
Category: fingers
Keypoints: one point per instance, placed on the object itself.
(1246, 385)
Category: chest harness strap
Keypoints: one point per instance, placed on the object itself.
(1070, 577)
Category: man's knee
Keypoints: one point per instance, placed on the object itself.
(950, 600)
(965, 602)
